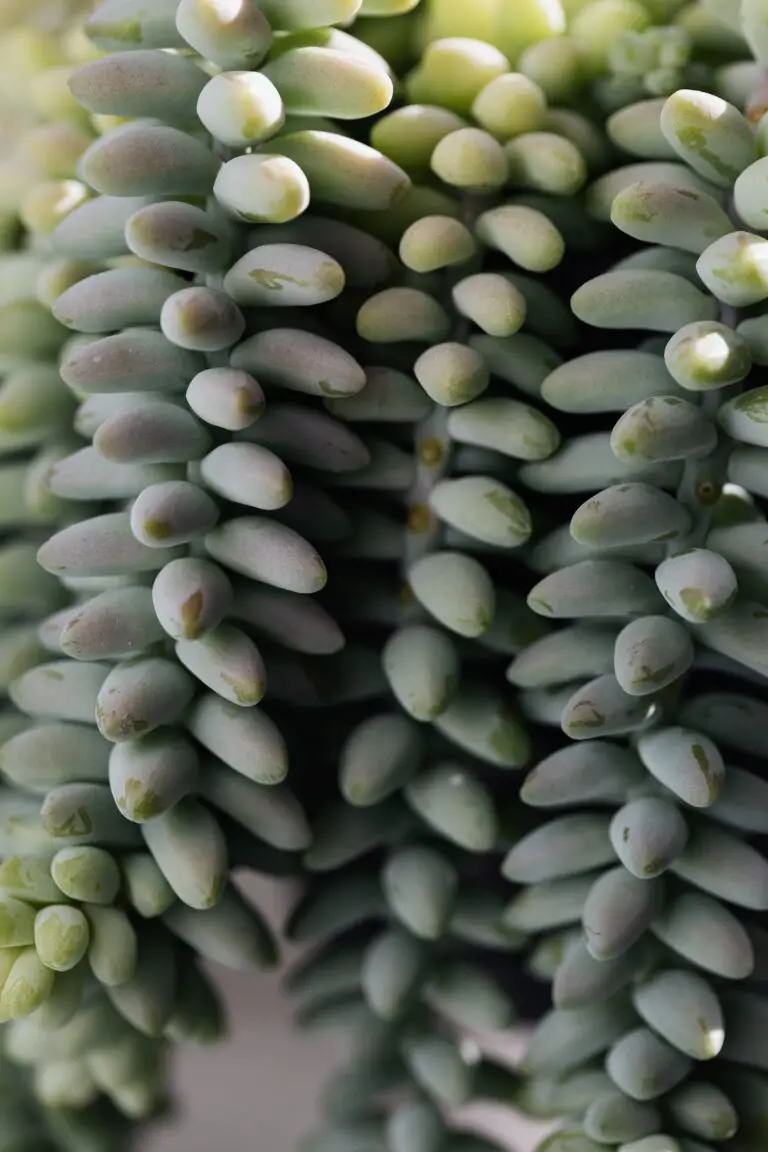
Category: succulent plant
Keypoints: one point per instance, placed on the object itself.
(263, 571)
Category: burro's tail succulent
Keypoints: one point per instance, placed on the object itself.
(322, 405)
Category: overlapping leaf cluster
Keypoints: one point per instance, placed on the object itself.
(302, 394)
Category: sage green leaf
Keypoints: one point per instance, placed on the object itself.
(663, 428)
(420, 887)
(567, 1037)
(191, 852)
(706, 934)
(684, 1010)
(148, 160)
(86, 874)
(652, 653)
(113, 948)
(644, 1066)
(602, 708)
(598, 588)
(618, 909)
(392, 971)
(457, 805)
(709, 134)
(380, 755)
(647, 834)
(724, 866)
(140, 695)
(456, 590)
(698, 583)
(562, 847)
(150, 774)
(686, 762)
(596, 772)
(650, 300)
(247, 740)
(487, 726)
(627, 514)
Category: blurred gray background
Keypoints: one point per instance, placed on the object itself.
(257, 1093)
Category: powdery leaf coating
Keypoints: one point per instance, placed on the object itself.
(263, 189)
(392, 969)
(684, 1010)
(735, 270)
(230, 37)
(201, 319)
(148, 160)
(563, 847)
(698, 583)
(510, 105)
(456, 589)
(644, 1066)
(507, 426)
(422, 668)
(398, 314)
(265, 550)
(629, 514)
(563, 1039)
(120, 298)
(140, 695)
(226, 398)
(547, 162)
(420, 887)
(725, 866)
(602, 708)
(301, 362)
(61, 936)
(247, 740)
(686, 762)
(453, 71)
(663, 428)
(652, 653)
(435, 242)
(241, 108)
(438, 1068)
(606, 381)
(596, 772)
(113, 948)
(595, 588)
(492, 302)
(647, 834)
(86, 874)
(483, 508)
(151, 774)
(191, 852)
(704, 932)
(667, 214)
(708, 355)
(344, 172)
(709, 134)
(651, 300)
(528, 237)
(457, 805)
(615, 1117)
(227, 661)
(121, 25)
(139, 83)
(327, 82)
(618, 910)
(284, 275)
(177, 235)
(636, 128)
(150, 432)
